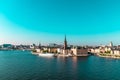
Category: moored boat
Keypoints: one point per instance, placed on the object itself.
(46, 54)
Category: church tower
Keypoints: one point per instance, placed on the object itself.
(39, 46)
(111, 44)
(65, 43)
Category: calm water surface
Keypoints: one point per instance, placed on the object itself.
(19, 65)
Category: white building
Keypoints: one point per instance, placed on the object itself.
(38, 50)
(97, 50)
(116, 52)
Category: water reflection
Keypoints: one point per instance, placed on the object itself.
(74, 63)
(26, 66)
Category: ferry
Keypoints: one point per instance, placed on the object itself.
(46, 54)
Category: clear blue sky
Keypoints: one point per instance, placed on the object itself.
(85, 22)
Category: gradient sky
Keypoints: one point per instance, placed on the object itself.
(85, 22)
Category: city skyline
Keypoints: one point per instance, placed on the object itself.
(84, 22)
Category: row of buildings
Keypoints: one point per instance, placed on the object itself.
(14, 47)
(110, 49)
(62, 50)
(65, 49)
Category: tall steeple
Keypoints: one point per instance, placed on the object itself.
(39, 45)
(65, 43)
(111, 44)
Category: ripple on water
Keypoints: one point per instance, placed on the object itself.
(19, 65)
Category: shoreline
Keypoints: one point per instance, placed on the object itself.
(109, 56)
(62, 55)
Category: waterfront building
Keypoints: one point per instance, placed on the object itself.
(79, 51)
(38, 50)
(95, 50)
(113, 50)
(75, 51)
(52, 50)
(65, 43)
(66, 50)
(116, 52)
(60, 50)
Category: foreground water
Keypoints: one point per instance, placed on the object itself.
(22, 65)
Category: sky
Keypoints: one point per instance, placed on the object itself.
(85, 22)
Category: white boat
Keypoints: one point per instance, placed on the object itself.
(46, 54)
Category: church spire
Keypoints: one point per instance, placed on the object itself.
(65, 38)
(65, 43)
(39, 45)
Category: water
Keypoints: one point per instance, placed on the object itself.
(22, 65)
